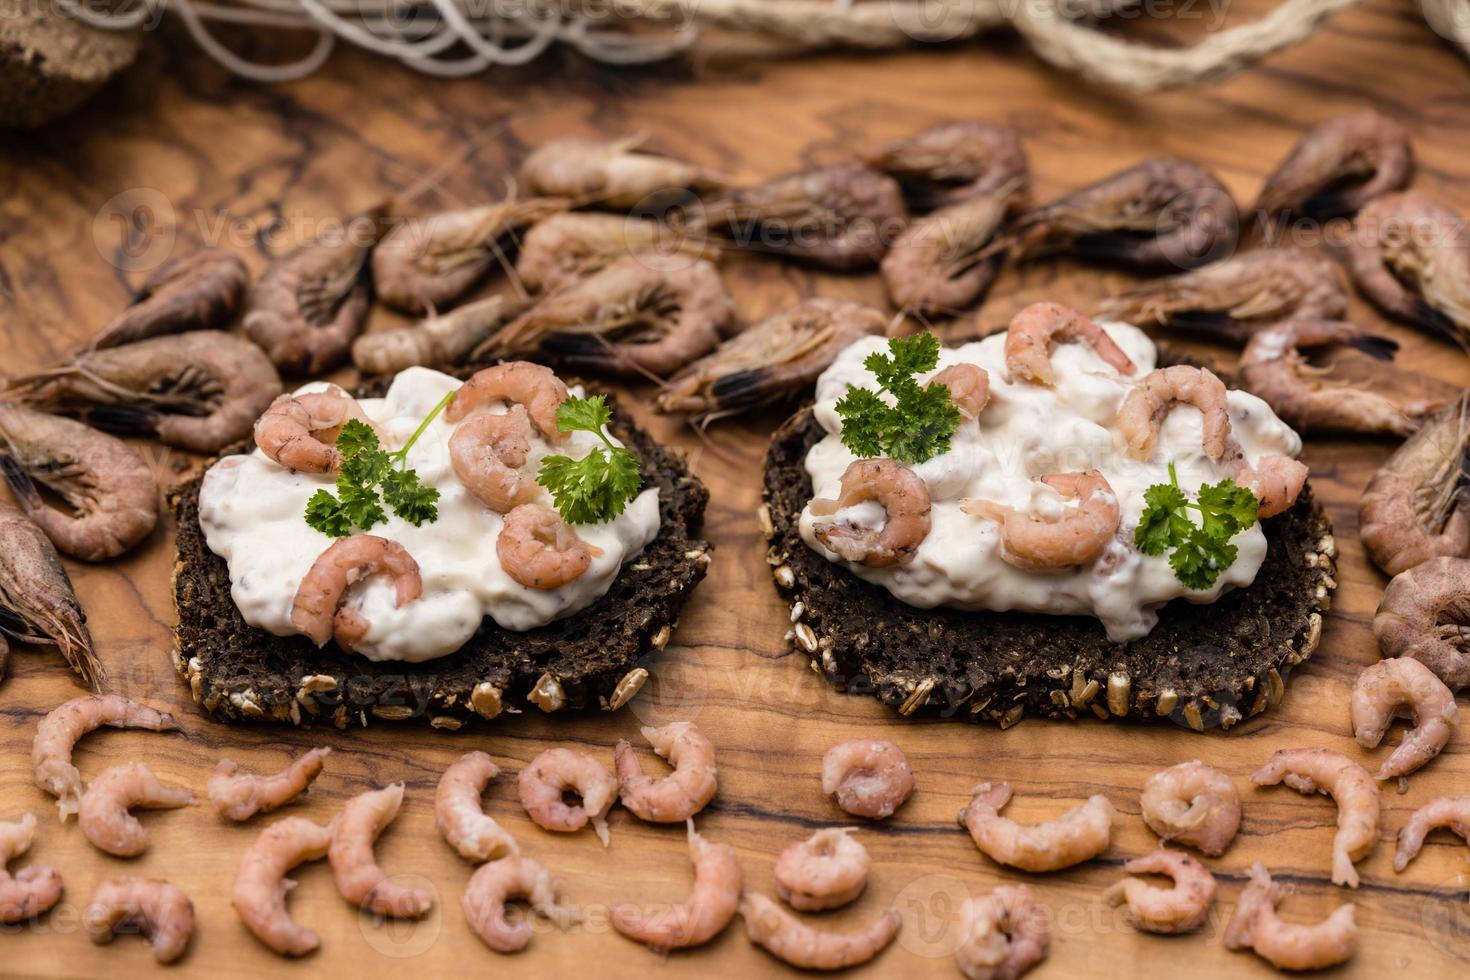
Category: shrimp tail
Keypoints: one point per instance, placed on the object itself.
(27, 494)
(1376, 347)
(127, 419)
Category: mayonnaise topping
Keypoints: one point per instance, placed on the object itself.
(252, 512)
(1027, 431)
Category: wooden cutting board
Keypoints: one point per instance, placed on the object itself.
(181, 150)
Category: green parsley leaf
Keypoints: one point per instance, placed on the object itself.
(409, 498)
(324, 512)
(355, 437)
(597, 487)
(922, 419)
(1198, 553)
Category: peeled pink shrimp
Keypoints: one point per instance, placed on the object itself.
(826, 871)
(31, 890)
(1002, 934)
(540, 550)
(458, 816)
(1078, 835)
(1192, 804)
(1276, 482)
(1452, 812)
(1043, 544)
(1349, 785)
(679, 795)
(700, 917)
(239, 796)
(516, 876)
(1390, 685)
(794, 942)
(59, 731)
(318, 609)
(487, 453)
(870, 778)
(1041, 326)
(905, 500)
(535, 388)
(104, 817)
(259, 892)
(1288, 945)
(969, 387)
(1148, 403)
(152, 906)
(1180, 908)
(300, 431)
(557, 771)
(354, 867)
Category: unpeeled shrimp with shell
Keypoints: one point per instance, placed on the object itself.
(1450, 812)
(427, 263)
(1078, 835)
(1411, 257)
(702, 915)
(557, 771)
(487, 452)
(32, 890)
(260, 887)
(773, 359)
(1336, 168)
(540, 550)
(1003, 934)
(534, 387)
(569, 246)
(679, 795)
(611, 173)
(459, 816)
(1288, 945)
(59, 731)
(1415, 508)
(493, 884)
(1039, 543)
(826, 871)
(1192, 804)
(1359, 811)
(103, 813)
(953, 162)
(1035, 331)
(1182, 907)
(1272, 369)
(200, 391)
(1424, 615)
(905, 500)
(1148, 403)
(438, 341)
(643, 314)
(354, 867)
(238, 796)
(300, 431)
(159, 910)
(198, 290)
(37, 601)
(867, 777)
(938, 264)
(108, 487)
(1383, 690)
(805, 947)
(318, 611)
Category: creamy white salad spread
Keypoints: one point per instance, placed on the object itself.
(251, 510)
(1027, 431)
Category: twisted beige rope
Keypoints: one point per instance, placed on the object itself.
(514, 31)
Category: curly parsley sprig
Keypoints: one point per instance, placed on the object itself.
(923, 418)
(597, 487)
(1200, 551)
(371, 477)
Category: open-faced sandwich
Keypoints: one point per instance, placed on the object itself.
(440, 550)
(1046, 521)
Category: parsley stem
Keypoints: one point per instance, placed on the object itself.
(402, 454)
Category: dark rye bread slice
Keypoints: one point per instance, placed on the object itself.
(1202, 666)
(593, 658)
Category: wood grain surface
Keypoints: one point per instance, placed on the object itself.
(193, 153)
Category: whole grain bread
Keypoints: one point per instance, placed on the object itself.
(595, 658)
(1202, 666)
